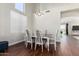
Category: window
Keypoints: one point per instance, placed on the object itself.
(19, 6)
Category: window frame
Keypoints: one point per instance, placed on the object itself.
(20, 10)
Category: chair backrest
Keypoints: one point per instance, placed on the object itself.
(28, 34)
(38, 39)
(45, 32)
(50, 35)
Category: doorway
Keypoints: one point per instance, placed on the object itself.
(63, 29)
(66, 28)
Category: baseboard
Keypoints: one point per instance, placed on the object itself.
(10, 44)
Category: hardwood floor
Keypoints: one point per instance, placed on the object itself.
(68, 47)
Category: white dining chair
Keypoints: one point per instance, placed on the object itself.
(51, 38)
(38, 40)
(28, 38)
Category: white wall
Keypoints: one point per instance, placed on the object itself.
(49, 21)
(29, 10)
(70, 13)
(74, 20)
(4, 18)
(5, 29)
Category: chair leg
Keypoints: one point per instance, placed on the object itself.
(42, 48)
(55, 46)
(26, 44)
(35, 46)
(48, 48)
(31, 45)
(48, 45)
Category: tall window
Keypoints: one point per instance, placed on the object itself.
(19, 6)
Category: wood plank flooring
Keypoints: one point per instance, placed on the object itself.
(68, 47)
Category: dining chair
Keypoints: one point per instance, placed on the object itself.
(51, 38)
(38, 40)
(28, 38)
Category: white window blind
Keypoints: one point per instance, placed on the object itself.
(18, 22)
